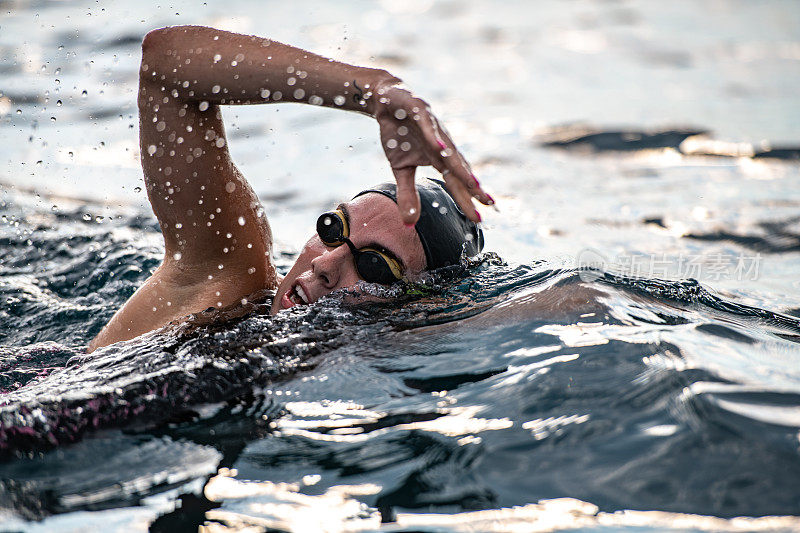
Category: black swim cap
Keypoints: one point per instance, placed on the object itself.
(444, 230)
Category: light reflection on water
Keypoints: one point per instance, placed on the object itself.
(620, 399)
(283, 506)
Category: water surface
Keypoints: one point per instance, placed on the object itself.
(629, 357)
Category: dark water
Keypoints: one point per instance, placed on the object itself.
(656, 140)
(507, 386)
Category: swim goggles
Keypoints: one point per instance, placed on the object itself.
(374, 265)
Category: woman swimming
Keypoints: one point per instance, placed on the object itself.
(218, 243)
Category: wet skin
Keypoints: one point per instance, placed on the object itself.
(321, 269)
(217, 239)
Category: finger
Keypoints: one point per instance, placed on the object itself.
(407, 196)
(449, 159)
(462, 197)
(458, 166)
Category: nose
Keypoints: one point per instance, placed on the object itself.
(330, 267)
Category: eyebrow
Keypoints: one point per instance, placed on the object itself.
(343, 208)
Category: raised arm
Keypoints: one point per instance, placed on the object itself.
(217, 238)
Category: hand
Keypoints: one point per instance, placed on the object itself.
(411, 137)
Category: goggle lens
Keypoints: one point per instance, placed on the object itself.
(372, 265)
(332, 228)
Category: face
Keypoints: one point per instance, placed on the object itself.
(320, 269)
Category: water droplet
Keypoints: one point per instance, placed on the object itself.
(338, 99)
(84, 94)
(241, 221)
(217, 57)
(230, 187)
(406, 146)
(87, 217)
(19, 111)
(178, 225)
(161, 126)
(185, 84)
(58, 103)
(202, 107)
(52, 119)
(299, 93)
(151, 149)
(98, 219)
(177, 256)
(400, 114)
(251, 270)
(220, 142)
(391, 144)
(215, 89)
(220, 266)
(434, 204)
(137, 189)
(264, 93)
(54, 208)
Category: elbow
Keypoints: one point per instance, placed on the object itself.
(153, 41)
(157, 49)
(158, 44)
(167, 38)
(151, 44)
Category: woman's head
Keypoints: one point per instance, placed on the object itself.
(372, 221)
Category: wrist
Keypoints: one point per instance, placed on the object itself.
(382, 82)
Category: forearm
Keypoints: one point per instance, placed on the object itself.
(199, 64)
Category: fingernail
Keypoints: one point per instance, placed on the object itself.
(441, 144)
(491, 200)
(476, 180)
(479, 216)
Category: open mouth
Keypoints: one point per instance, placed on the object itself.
(297, 295)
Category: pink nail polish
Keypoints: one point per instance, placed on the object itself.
(408, 225)
(479, 216)
(476, 180)
(491, 200)
(441, 144)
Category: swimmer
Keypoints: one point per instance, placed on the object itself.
(218, 242)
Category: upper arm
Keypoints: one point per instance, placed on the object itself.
(217, 239)
(212, 221)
